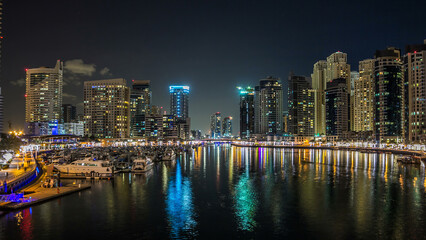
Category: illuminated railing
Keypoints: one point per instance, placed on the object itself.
(21, 181)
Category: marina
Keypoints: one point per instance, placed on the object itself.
(246, 192)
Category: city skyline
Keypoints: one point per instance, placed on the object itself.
(172, 119)
(194, 62)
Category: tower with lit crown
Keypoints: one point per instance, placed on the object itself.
(179, 108)
(246, 111)
(179, 101)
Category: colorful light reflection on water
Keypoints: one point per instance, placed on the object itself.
(179, 205)
(245, 203)
(223, 192)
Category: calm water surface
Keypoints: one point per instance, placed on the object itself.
(230, 192)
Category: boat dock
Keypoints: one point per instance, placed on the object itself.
(86, 176)
(24, 200)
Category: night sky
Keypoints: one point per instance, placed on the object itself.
(212, 46)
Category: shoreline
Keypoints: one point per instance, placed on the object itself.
(377, 150)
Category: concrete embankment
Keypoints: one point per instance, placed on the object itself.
(43, 195)
(378, 150)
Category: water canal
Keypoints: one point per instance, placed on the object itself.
(227, 192)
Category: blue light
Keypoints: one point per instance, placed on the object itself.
(179, 204)
(185, 89)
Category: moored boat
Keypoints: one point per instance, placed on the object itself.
(408, 159)
(169, 155)
(87, 167)
(142, 165)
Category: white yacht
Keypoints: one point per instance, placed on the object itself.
(142, 165)
(86, 166)
(169, 155)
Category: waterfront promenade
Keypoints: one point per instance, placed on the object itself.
(349, 148)
(10, 174)
(19, 176)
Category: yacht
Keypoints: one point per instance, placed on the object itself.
(87, 166)
(142, 165)
(169, 155)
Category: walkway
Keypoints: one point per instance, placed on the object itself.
(12, 173)
(385, 150)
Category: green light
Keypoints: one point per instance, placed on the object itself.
(245, 91)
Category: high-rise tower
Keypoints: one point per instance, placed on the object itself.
(44, 93)
(338, 67)
(300, 106)
(364, 97)
(215, 125)
(318, 85)
(269, 107)
(179, 101)
(227, 127)
(106, 108)
(388, 78)
(337, 107)
(69, 113)
(415, 92)
(1, 96)
(140, 101)
(140, 96)
(246, 111)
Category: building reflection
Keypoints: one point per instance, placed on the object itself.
(326, 187)
(246, 202)
(179, 205)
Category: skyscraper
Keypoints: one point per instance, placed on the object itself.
(318, 85)
(44, 93)
(325, 71)
(364, 97)
(388, 78)
(415, 92)
(106, 108)
(338, 67)
(179, 101)
(69, 113)
(337, 107)
(1, 38)
(269, 107)
(215, 125)
(140, 101)
(246, 111)
(140, 97)
(227, 127)
(354, 78)
(301, 111)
